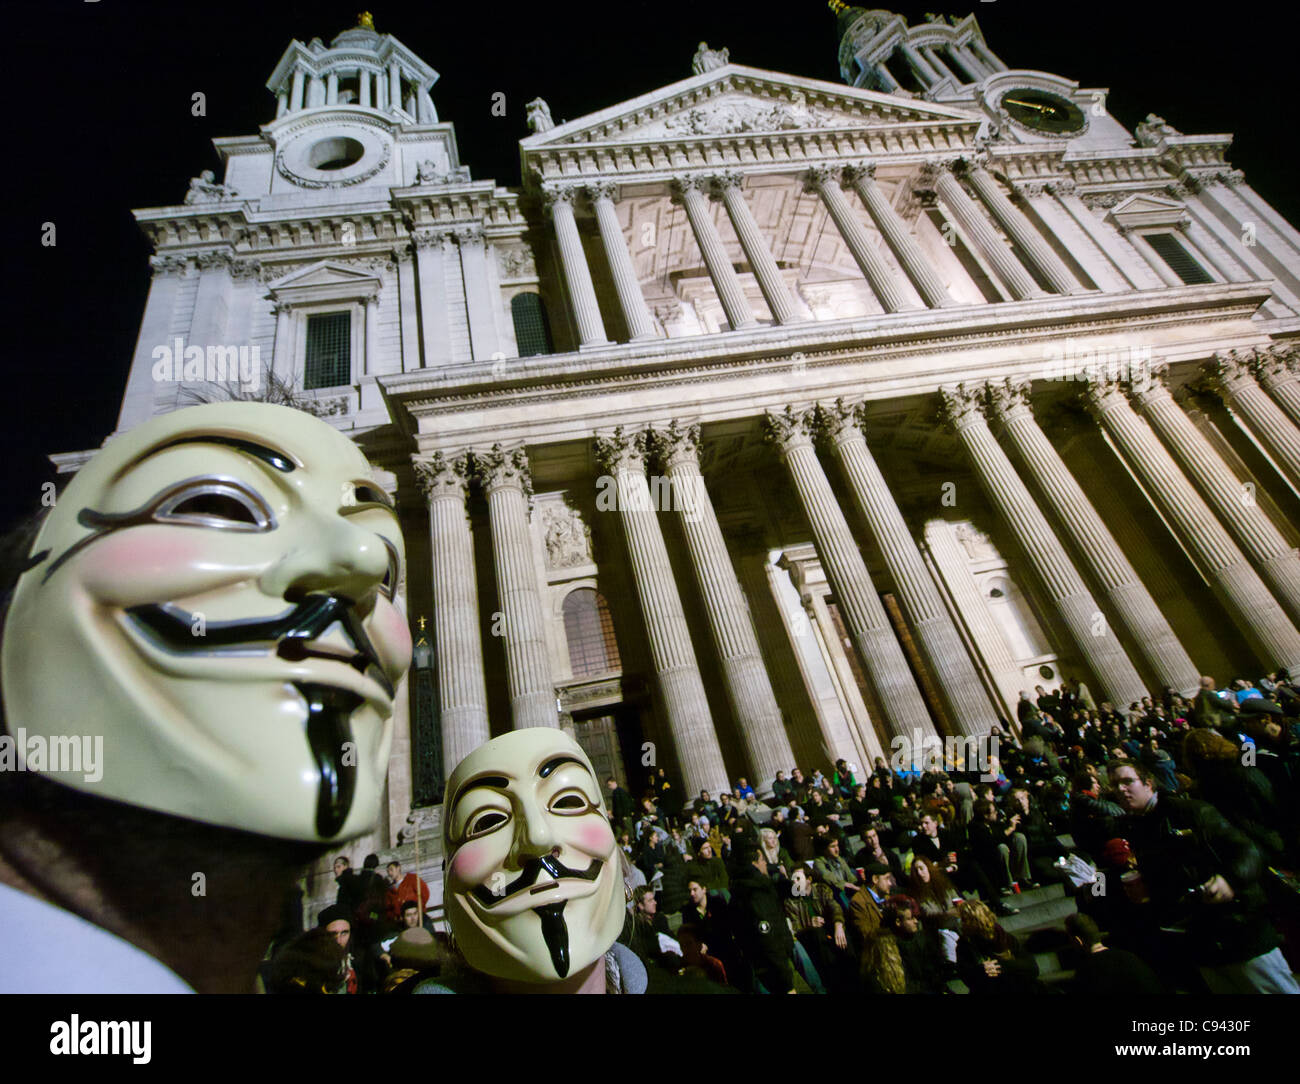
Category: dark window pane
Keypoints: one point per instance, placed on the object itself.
(590, 632)
(1178, 258)
(329, 351)
(532, 332)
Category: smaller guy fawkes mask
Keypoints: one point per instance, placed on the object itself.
(534, 888)
(214, 596)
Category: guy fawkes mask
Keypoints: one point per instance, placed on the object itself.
(534, 888)
(214, 595)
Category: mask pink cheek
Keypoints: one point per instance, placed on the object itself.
(136, 566)
(391, 635)
(474, 864)
(595, 839)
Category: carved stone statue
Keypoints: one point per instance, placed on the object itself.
(204, 189)
(568, 539)
(1152, 130)
(707, 60)
(428, 173)
(539, 116)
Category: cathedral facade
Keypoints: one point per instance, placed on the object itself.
(766, 420)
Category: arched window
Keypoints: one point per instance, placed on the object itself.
(590, 632)
(532, 330)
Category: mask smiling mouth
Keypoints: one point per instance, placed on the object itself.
(297, 634)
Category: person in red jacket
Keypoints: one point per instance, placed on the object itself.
(401, 889)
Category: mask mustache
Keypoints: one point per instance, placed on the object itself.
(531, 873)
(291, 633)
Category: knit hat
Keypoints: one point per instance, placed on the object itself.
(415, 948)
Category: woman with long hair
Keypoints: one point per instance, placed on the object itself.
(990, 960)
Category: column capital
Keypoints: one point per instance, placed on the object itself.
(1274, 363)
(857, 170)
(1063, 186)
(245, 270)
(1009, 398)
(963, 404)
(600, 190)
(168, 265)
(442, 475)
(621, 450)
(471, 234)
(215, 260)
(679, 443)
(789, 429)
(976, 161)
(1232, 368)
(558, 193)
(401, 254)
(727, 179)
(499, 467)
(682, 183)
(819, 177)
(1149, 383)
(841, 420)
(1103, 391)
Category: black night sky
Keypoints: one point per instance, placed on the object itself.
(99, 109)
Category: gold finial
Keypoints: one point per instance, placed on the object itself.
(366, 21)
(422, 624)
(836, 5)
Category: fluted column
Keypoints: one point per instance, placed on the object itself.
(1076, 516)
(1232, 372)
(1022, 231)
(904, 708)
(1277, 370)
(1261, 541)
(967, 63)
(363, 88)
(749, 689)
(577, 275)
(1079, 611)
(920, 64)
(936, 62)
(462, 693)
(971, 218)
(680, 686)
(394, 86)
(505, 478)
(640, 324)
(1254, 609)
(972, 712)
(691, 191)
(878, 272)
(296, 93)
(757, 250)
(435, 262)
(918, 266)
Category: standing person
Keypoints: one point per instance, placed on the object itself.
(349, 885)
(666, 797)
(1203, 877)
(620, 805)
(402, 888)
(761, 925)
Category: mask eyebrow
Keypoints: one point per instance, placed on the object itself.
(485, 779)
(272, 457)
(551, 765)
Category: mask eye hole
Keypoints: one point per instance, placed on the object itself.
(221, 504)
(393, 577)
(485, 822)
(570, 803)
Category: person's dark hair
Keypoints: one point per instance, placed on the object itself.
(394, 863)
(1143, 772)
(641, 892)
(311, 963)
(611, 779)
(345, 860)
(982, 808)
(410, 905)
(371, 862)
(753, 853)
(1084, 928)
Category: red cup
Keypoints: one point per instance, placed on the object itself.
(862, 873)
(1015, 887)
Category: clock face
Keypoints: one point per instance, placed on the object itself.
(1044, 112)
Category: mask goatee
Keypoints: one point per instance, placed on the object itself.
(556, 933)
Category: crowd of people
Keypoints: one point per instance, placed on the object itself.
(1175, 825)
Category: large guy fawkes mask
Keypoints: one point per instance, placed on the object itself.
(213, 594)
(534, 888)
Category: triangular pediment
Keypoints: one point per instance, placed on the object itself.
(1144, 203)
(324, 273)
(739, 101)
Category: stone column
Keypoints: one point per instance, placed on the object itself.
(394, 86)
(282, 353)
(332, 88)
(1232, 373)
(757, 251)
(920, 64)
(1255, 610)
(462, 693)
(967, 63)
(281, 104)
(296, 93)
(1022, 231)
(640, 324)
(936, 62)
(1261, 541)
(985, 54)
(381, 90)
(691, 191)
(577, 276)
(860, 243)
(1082, 617)
(1119, 580)
(363, 88)
(981, 232)
(749, 689)
(680, 686)
(482, 297)
(372, 335)
(899, 238)
(506, 482)
(315, 92)
(432, 248)
(1276, 370)
(883, 658)
(972, 713)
